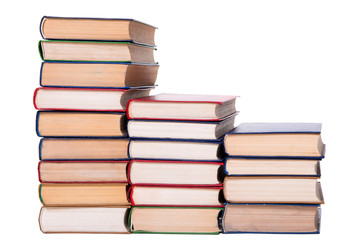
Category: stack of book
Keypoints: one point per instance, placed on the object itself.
(176, 167)
(271, 183)
(91, 69)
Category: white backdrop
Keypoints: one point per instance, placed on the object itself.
(295, 61)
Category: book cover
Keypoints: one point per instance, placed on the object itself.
(290, 212)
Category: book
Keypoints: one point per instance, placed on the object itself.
(272, 190)
(92, 51)
(83, 194)
(102, 29)
(271, 167)
(97, 75)
(83, 149)
(182, 107)
(81, 99)
(82, 171)
(179, 129)
(146, 172)
(176, 149)
(154, 195)
(174, 220)
(276, 140)
(271, 218)
(84, 219)
(80, 124)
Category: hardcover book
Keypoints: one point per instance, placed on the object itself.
(155, 195)
(97, 75)
(146, 172)
(176, 149)
(182, 107)
(102, 29)
(204, 130)
(83, 149)
(99, 171)
(83, 194)
(272, 190)
(84, 219)
(80, 124)
(275, 140)
(272, 167)
(271, 218)
(174, 220)
(92, 51)
(81, 99)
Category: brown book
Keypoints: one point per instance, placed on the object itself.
(112, 75)
(105, 29)
(95, 51)
(85, 99)
(272, 190)
(82, 171)
(83, 149)
(84, 219)
(260, 218)
(174, 220)
(80, 124)
(83, 194)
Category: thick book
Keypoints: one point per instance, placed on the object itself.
(275, 140)
(271, 218)
(166, 129)
(101, 29)
(83, 194)
(91, 51)
(83, 171)
(83, 149)
(182, 107)
(155, 195)
(272, 167)
(174, 220)
(85, 99)
(80, 124)
(273, 190)
(84, 219)
(97, 75)
(146, 172)
(176, 149)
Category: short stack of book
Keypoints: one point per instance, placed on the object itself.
(176, 167)
(91, 69)
(271, 183)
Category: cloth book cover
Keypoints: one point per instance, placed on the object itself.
(273, 218)
(278, 128)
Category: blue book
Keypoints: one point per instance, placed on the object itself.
(272, 167)
(276, 140)
(80, 124)
(271, 218)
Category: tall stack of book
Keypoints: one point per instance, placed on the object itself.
(176, 166)
(91, 69)
(272, 178)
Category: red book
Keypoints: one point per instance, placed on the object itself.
(83, 171)
(85, 99)
(182, 107)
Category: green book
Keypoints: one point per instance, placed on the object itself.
(95, 51)
(175, 220)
